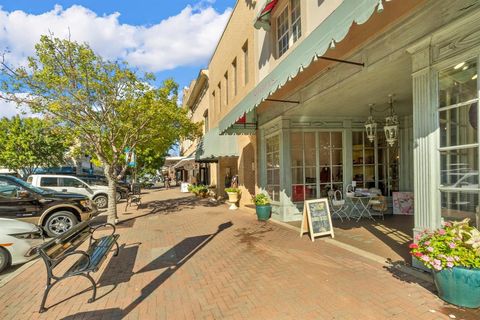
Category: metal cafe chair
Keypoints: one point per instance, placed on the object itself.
(338, 205)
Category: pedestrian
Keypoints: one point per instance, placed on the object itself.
(167, 182)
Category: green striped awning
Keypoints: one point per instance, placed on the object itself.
(333, 29)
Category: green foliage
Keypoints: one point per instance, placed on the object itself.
(236, 190)
(261, 200)
(29, 143)
(456, 244)
(198, 189)
(149, 160)
(108, 106)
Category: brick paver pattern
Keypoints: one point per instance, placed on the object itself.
(186, 258)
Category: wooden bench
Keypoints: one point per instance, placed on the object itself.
(66, 245)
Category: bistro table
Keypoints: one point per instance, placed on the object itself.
(360, 202)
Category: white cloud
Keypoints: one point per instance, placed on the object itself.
(9, 109)
(188, 38)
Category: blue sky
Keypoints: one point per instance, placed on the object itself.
(169, 38)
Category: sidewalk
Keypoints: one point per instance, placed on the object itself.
(184, 258)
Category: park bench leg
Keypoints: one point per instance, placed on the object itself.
(117, 250)
(94, 286)
(45, 294)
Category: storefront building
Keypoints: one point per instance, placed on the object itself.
(410, 65)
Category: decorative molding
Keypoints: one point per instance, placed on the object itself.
(464, 41)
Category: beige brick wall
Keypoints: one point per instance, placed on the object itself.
(237, 35)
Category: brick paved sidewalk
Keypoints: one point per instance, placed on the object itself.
(187, 259)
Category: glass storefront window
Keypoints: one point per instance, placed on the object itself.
(273, 167)
(309, 180)
(459, 149)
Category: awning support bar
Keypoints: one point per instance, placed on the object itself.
(343, 61)
(287, 101)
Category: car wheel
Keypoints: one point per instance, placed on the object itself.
(4, 259)
(119, 196)
(59, 222)
(101, 201)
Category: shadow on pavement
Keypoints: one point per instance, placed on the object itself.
(172, 260)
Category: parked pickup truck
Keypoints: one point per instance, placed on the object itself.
(72, 184)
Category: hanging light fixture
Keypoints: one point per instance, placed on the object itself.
(391, 124)
(371, 125)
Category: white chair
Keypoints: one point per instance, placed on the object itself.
(379, 205)
(338, 205)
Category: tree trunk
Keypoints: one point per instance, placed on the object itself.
(112, 216)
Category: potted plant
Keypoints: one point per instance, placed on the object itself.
(232, 197)
(453, 254)
(202, 191)
(263, 208)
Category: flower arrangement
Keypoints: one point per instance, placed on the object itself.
(455, 244)
(261, 200)
(198, 189)
(232, 190)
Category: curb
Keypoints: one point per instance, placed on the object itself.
(17, 272)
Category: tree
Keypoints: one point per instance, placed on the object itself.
(109, 106)
(27, 144)
(149, 160)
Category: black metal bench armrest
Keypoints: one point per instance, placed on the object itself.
(56, 262)
(95, 228)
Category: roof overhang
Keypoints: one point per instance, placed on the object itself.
(333, 29)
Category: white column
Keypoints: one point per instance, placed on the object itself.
(426, 157)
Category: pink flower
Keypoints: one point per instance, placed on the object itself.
(447, 224)
(450, 264)
(430, 249)
(413, 246)
(427, 243)
(437, 262)
(452, 245)
(425, 258)
(441, 232)
(438, 267)
(456, 258)
(418, 254)
(450, 259)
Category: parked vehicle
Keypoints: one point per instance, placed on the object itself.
(72, 184)
(55, 212)
(18, 242)
(122, 188)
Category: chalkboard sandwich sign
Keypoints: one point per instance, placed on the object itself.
(316, 218)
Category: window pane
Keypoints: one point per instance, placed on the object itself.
(297, 175)
(282, 32)
(458, 126)
(337, 174)
(336, 140)
(457, 206)
(310, 175)
(310, 158)
(296, 20)
(8, 190)
(48, 182)
(310, 192)
(325, 174)
(459, 168)
(337, 157)
(458, 83)
(276, 177)
(357, 140)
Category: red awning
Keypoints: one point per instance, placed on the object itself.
(263, 19)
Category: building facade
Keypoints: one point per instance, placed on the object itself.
(325, 67)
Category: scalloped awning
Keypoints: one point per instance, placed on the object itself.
(334, 28)
(213, 146)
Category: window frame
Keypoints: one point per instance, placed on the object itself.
(294, 30)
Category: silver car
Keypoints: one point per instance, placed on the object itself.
(18, 242)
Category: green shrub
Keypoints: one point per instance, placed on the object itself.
(261, 200)
(232, 190)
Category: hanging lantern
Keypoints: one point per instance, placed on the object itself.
(371, 126)
(391, 125)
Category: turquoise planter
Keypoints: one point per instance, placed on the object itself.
(263, 212)
(459, 286)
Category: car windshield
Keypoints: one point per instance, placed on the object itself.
(29, 186)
